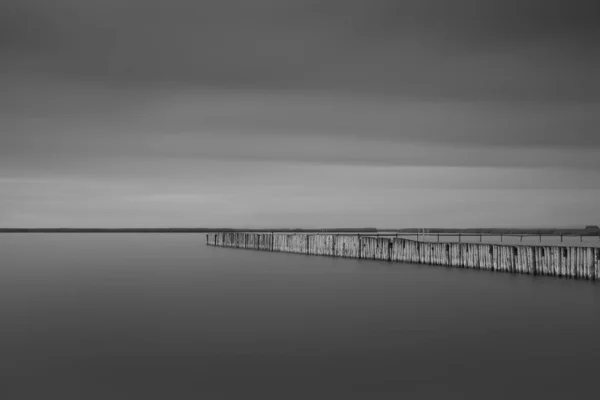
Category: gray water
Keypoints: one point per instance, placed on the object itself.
(145, 316)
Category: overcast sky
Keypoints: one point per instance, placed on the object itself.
(308, 113)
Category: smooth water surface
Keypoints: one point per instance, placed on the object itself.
(145, 316)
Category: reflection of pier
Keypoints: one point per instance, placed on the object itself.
(582, 262)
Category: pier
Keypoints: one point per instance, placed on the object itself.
(578, 262)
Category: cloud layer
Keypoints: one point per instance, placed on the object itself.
(442, 108)
(464, 49)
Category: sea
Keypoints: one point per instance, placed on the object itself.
(163, 316)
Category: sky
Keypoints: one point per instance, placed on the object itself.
(299, 113)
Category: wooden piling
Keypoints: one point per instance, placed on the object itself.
(574, 262)
(359, 246)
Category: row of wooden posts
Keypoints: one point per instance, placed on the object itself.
(565, 261)
(422, 235)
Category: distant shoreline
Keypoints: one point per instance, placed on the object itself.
(441, 231)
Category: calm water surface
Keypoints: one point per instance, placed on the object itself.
(144, 316)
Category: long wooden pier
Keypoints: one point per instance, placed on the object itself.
(562, 261)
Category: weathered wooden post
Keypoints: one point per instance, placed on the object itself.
(359, 247)
(438, 237)
(333, 245)
(459, 237)
(521, 238)
(501, 238)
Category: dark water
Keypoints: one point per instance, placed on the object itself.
(144, 316)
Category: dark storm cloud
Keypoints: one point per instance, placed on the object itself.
(465, 49)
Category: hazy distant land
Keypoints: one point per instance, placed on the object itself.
(588, 231)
